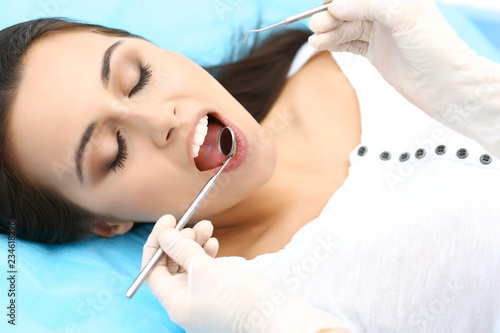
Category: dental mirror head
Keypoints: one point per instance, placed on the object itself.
(227, 142)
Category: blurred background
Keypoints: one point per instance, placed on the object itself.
(208, 30)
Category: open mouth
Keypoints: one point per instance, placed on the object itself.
(206, 143)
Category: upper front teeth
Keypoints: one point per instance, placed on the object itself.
(199, 135)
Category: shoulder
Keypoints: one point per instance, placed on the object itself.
(319, 69)
(319, 82)
(320, 91)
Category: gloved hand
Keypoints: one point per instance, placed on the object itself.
(417, 52)
(202, 294)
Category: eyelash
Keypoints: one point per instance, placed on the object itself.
(121, 157)
(119, 161)
(146, 73)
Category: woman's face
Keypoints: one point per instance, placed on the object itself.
(109, 122)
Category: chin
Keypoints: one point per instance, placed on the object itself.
(240, 183)
(260, 166)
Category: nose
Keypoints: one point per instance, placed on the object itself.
(156, 122)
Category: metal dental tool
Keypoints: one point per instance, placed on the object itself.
(292, 19)
(228, 151)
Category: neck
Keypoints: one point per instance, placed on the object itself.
(267, 220)
(261, 222)
(247, 225)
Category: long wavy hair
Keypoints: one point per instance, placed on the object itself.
(40, 214)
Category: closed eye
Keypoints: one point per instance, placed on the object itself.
(119, 162)
(146, 73)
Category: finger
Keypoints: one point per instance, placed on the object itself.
(159, 272)
(203, 231)
(172, 267)
(175, 268)
(211, 247)
(152, 245)
(349, 31)
(323, 22)
(189, 233)
(355, 47)
(182, 249)
(327, 1)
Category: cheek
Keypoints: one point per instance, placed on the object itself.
(148, 190)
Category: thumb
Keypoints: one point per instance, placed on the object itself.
(180, 248)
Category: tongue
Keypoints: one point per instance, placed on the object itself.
(209, 156)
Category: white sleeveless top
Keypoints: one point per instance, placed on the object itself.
(410, 242)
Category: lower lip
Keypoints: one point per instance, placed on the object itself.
(241, 146)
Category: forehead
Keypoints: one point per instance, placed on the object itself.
(61, 76)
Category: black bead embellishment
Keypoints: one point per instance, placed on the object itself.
(462, 153)
(441, 150)
(362, 151)
(385, 156)
(404, 157)
(485, 159)
(420, 153)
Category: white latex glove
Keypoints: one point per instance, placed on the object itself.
(202, 294)
(417, 52)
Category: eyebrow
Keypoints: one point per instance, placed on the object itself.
(105, 70)
(87, 135)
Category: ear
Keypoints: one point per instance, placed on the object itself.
(111, 229)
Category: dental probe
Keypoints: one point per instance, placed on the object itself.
(190, 211)
(292, 19)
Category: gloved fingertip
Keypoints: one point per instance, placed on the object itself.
(205, 225)
(211, 247)
(189, 233)
(316, 42)
(322, 22)
(165, 221)
(339, 9)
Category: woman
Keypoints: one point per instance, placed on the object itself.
(261, 200)
(48, 208)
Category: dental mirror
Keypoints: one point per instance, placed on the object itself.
(227, 147)
(227, 142)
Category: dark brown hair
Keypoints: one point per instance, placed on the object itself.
(40, 213)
